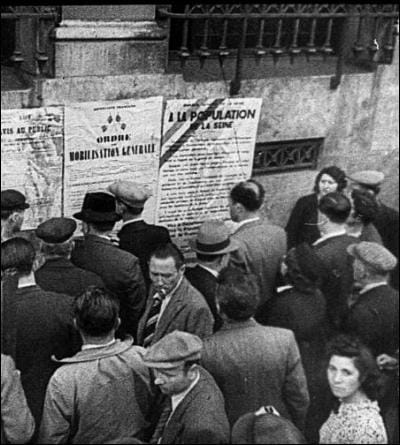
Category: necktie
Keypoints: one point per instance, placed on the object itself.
(152, 319)
(162, 421)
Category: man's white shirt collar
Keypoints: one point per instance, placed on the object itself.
(329, 235)
(89, 346)
(245, 221)
(208, 269)
(177, 399)
(370, 286)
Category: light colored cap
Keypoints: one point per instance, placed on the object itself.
(213, 238)
(368, 177)
(373, 255)
(173, 350)
(130, 193)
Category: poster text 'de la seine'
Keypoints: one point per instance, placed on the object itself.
(31, 159)
(108, 141)
(207, 147)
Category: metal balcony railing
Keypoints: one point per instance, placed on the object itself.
(276, 30)
(26, 38)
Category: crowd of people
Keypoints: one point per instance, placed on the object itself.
(272, 334)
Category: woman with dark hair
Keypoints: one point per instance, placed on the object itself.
(300, 306)
(354, 379)
(302, 225)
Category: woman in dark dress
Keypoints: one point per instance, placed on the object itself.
(300, 306)
(302, 224)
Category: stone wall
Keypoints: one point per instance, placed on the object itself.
(359, 120)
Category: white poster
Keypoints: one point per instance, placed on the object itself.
(107, 141)
(31, 159)
(207, 147)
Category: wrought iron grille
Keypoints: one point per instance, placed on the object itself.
(287, 155)
(276, 30)
(26, 37)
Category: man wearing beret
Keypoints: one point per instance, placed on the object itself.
(58, 274)
(194, 411)
(136, 236)
(253, 365)
(173, 303)
(375, 314)
(386, 219)
(13, 206)
(119, 270)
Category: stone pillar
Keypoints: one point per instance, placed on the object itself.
(101, 40)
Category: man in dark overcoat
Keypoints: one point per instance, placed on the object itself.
(119, 270)
(137, 236)
(44, 324)
(386, 219)
(193, 410)
(212, 246)
(58, 274)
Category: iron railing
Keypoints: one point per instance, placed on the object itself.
(277, 30)
(26, 38)
(274, 157)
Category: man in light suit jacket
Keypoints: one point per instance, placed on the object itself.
(119, 270)
(253, 365)
(193, 411)
(182, 307)
(262, 245)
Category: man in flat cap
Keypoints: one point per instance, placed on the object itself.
(173, 303)
(375, 315)
(194, 409)
(58, 274)
(386, 219)
(13, 206)
(119, 270)
(261, 243)
(136, 236)
(253, 365)
(212, 246)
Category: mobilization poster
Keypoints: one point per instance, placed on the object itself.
(207, 147)
(31, 159)
(107, 141)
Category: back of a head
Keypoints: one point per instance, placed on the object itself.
(169, 250)
(365, 205)
(237, 293)
(19, 254)
(249, 193)
(96, 312)
(335, 206)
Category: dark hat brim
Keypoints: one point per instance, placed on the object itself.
(96, 217)
(232, 246)
(22, 206)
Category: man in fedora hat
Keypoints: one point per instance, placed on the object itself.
(212, 246)
(119, 270)
(13, 206)
(386, 219)
(136, 236)
(194, 410)
(58, 274)
(173, 303)
(262, 244)
(253, 364)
